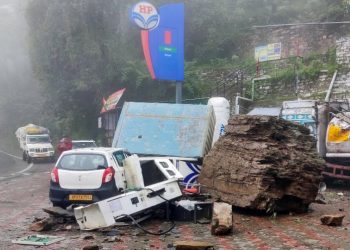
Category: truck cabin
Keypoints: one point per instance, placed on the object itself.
(34, 139)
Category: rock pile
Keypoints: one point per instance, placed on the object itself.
(263, 163)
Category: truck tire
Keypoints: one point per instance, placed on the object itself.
(24, 156)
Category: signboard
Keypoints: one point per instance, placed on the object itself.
(268, 52)
(112, 101)
(162, 37)
(145, 15)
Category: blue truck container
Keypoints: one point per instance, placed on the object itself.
(175, 130)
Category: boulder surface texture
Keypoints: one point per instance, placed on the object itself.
(263, 163)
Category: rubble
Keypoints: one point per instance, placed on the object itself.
(332, 220)
(263, 163)
(222, 219)
(42, 225)
(59, 212)
(192, 245)
(91, 247)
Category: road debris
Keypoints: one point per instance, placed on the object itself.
(88, 237)
(111, 239)
(59, 212)
(222, 219)
(45, 224)
(192, 245)
(91, 247)
(335, 220)
(38, 240)
(261, 164)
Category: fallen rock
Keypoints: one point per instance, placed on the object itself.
(222, 219)
(263, 163)
(333, 220)
(91, 247)
(42, 225)
(192, 245)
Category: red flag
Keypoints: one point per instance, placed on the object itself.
(111, 101)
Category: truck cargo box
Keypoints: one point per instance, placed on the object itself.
(179, 130)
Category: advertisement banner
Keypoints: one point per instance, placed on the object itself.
(112, 101)
(162, 38)
(268, 52)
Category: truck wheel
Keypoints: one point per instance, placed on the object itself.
(24, 156)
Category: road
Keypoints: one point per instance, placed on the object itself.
(24, 192)
(12, 165)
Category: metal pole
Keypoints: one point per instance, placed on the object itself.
(179, 92)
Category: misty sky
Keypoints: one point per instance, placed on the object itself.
(19, 92)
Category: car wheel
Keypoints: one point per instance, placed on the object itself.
(59, 204)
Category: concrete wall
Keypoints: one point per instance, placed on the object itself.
(303, 41)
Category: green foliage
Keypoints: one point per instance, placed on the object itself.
(85, 50)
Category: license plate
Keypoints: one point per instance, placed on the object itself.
(80, 197)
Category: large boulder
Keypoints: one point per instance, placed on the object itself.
(263, 163)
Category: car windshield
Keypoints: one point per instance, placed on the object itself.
(84, 144)
(82, 162)
(38, 139)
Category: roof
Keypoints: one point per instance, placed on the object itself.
(272, 111)
(83, 141)
(100, 150)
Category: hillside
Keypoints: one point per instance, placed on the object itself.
(84, 50)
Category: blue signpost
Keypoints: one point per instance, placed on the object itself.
(162, 36)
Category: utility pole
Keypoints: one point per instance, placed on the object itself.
(178, 97)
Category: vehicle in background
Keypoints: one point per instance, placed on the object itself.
(63, 145)
(329, 123)
(67, 143)
(83, 144)
(35, 143)
(87, 175)
(182, 132)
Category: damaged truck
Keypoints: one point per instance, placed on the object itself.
(329, 123)
(183, 133)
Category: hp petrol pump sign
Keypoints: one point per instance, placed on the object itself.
(145, 15)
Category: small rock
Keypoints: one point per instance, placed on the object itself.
(222, 219)
(111, 232)
(91, 247)
(112, 239)
(341, 209)
(88, 237)
(332, 220)
(69, 227)
(340, 194)
(197, 245)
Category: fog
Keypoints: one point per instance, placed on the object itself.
(20, 98)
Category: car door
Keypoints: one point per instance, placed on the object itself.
(118, 158)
